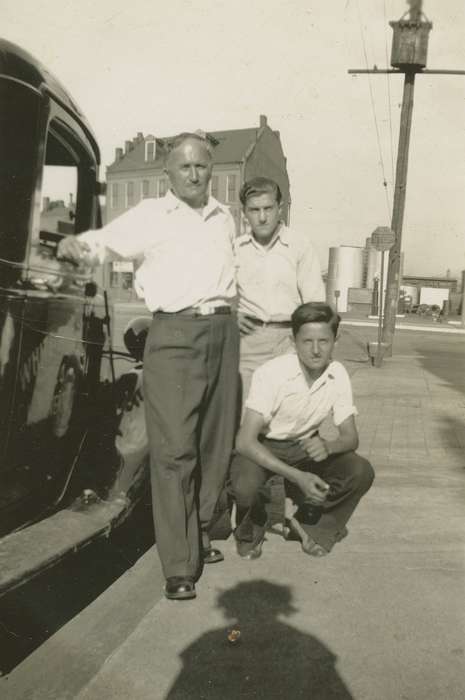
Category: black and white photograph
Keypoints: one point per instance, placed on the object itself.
(232, 350)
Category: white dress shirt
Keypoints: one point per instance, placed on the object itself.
(273, 281)
(186, 255)
(290, 407)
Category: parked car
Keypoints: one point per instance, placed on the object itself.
(68, 470)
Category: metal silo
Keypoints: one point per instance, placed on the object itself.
(345, 270)
(373, 266)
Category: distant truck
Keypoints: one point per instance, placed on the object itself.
(72, 455)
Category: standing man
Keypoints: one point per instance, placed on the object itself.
(185, 242)
(278, 269)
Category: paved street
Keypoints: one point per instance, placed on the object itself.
(381, 618)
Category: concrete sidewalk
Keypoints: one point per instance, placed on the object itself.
(381, 618)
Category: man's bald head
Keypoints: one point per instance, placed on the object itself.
(175, 142)
(188, 164)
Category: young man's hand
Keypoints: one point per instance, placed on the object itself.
(316, 448)
(313, 488)
(246, 326)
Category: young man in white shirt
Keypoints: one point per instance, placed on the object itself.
(289, 398)
(190, 377)
(277, 269)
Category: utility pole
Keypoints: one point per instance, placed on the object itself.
(408, 57)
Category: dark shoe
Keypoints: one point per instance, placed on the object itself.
(249, 538)
(212, 555)
(180, 588)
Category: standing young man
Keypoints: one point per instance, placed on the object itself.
(277, 269)
(289, 398)
(185, 242)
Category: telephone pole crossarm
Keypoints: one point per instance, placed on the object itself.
(396, 71)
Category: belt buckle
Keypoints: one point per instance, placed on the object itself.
(204, 309)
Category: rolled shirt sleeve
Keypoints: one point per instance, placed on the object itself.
(343, 406)
(261, 397)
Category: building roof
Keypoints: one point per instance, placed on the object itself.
(230, 147)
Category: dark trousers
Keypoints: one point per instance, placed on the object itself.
(190, 394)
(348, 474)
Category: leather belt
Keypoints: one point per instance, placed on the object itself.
(269, 324)
(200, 310)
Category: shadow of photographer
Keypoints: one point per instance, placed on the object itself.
(271, 659)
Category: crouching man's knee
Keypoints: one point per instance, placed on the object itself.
(362, 473)
(246, 478)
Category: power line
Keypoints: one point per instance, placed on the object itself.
(388, 90)
(380, 152)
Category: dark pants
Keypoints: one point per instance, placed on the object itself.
(190, 394)
(348, 474)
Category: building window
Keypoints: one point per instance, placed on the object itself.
(144, 190)
(130, 194)
(115, 195)
(162, 186)
(231, 189)
(150, 150)
(214, 186)
(126, 280)
(114, 279)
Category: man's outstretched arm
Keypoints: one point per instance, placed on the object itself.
(248, 445)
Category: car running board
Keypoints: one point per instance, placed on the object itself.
(26, 553)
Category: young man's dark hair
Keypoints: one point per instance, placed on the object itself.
(257, 186)
(315, 312)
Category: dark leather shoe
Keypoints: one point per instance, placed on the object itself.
(212, 555)
(180, 588)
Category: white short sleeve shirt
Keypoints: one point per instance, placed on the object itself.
(290, 407)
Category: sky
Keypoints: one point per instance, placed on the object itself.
(163, 67)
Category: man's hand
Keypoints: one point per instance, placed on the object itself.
(316, 448)
(246, 326)
(72, 249)
(313, 488)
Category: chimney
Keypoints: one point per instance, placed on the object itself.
(118, 154)
(140, 136)
(263, 120)
(127, 146)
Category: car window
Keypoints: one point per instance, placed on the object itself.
(57, 204)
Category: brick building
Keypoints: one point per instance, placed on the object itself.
(238, 155)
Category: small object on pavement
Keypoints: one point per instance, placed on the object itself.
(234, 636)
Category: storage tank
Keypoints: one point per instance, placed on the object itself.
(373, 266)
(345, 270)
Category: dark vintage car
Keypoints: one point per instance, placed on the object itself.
(72, 459)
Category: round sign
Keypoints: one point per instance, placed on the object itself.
(383, 238)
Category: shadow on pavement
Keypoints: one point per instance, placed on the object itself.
(445, 360)
(271, 659)
(351, 347)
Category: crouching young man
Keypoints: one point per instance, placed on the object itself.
(289, 398)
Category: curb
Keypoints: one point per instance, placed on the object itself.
(404, 327)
